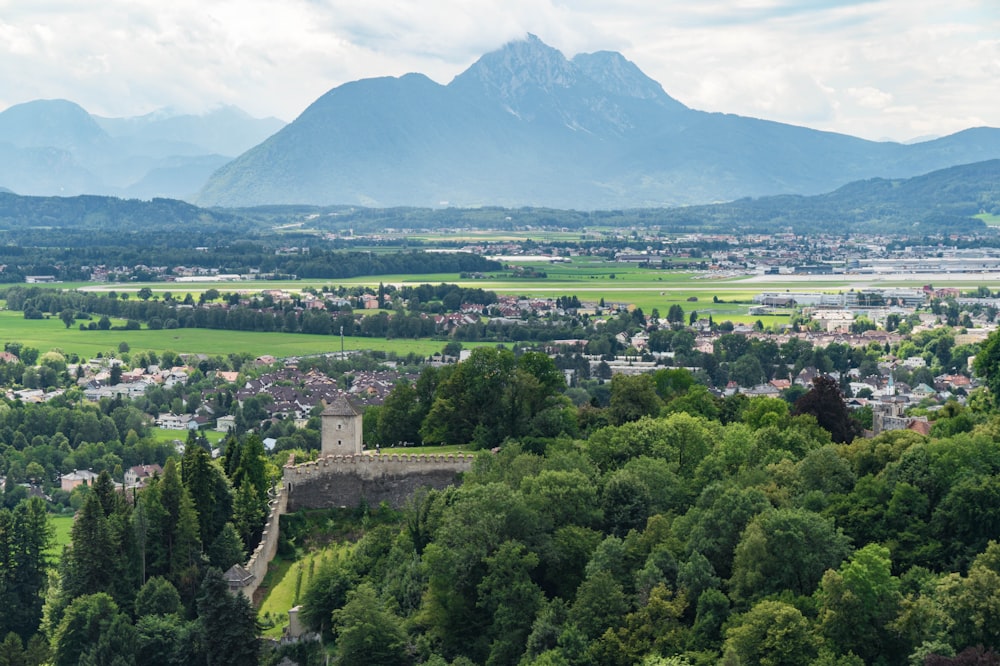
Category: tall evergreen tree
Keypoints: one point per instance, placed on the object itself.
(167, 524)
(227, 622)
(248, 516)
(25, 534)
(252, 467)
(86, 564)
(227, 549)
(209, 490)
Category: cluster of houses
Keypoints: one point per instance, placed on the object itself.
(294, 394)
(135, 478)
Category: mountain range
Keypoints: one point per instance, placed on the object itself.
(55, 147)
(522, 126)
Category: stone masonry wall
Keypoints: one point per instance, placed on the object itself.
(336, 481)
(268, 546)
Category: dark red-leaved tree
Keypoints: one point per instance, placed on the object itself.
(825, 401)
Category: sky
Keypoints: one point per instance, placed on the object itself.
(878, 69)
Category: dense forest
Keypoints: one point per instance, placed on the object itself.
(676, 528)
(135, 259)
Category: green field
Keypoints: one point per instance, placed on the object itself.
(591, 279)
(165, 435)
(286, 582)
(61, 526)
(46, 334)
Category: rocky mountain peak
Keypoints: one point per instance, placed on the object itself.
(516, 67)
(620, 76)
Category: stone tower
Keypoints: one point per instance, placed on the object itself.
(341, 428)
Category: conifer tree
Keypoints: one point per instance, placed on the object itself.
(86, 562)
(209, 490)
(25, 535)
(227, 622)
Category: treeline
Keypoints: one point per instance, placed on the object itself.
(41, 441)
(106, 213)
(262, 314)
(946, 199)
(688, 532)
(24, 253)
(352, 264)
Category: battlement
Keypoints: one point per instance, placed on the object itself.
(393, 461)
(256, 566)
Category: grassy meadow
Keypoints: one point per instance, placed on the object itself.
(166, 435)
(61, 526)
(45, 334)
(286, 582)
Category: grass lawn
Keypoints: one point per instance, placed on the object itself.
(281, 594)
(287, 581)
(166, 435)
(61, 526)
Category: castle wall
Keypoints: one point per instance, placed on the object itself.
(347, 481)
(335, 481)
(268, 546)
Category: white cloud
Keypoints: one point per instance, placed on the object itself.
(873, 68)
(870, 97)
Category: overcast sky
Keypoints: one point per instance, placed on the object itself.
(895, 69)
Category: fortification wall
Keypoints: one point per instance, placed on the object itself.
(347, 481)
(268, 546)
(336, 481)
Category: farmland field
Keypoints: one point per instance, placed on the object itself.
(45, 334)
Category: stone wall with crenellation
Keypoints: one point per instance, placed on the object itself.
(268, 546)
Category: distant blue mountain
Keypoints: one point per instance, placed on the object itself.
(524, 126)
(54, 147)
